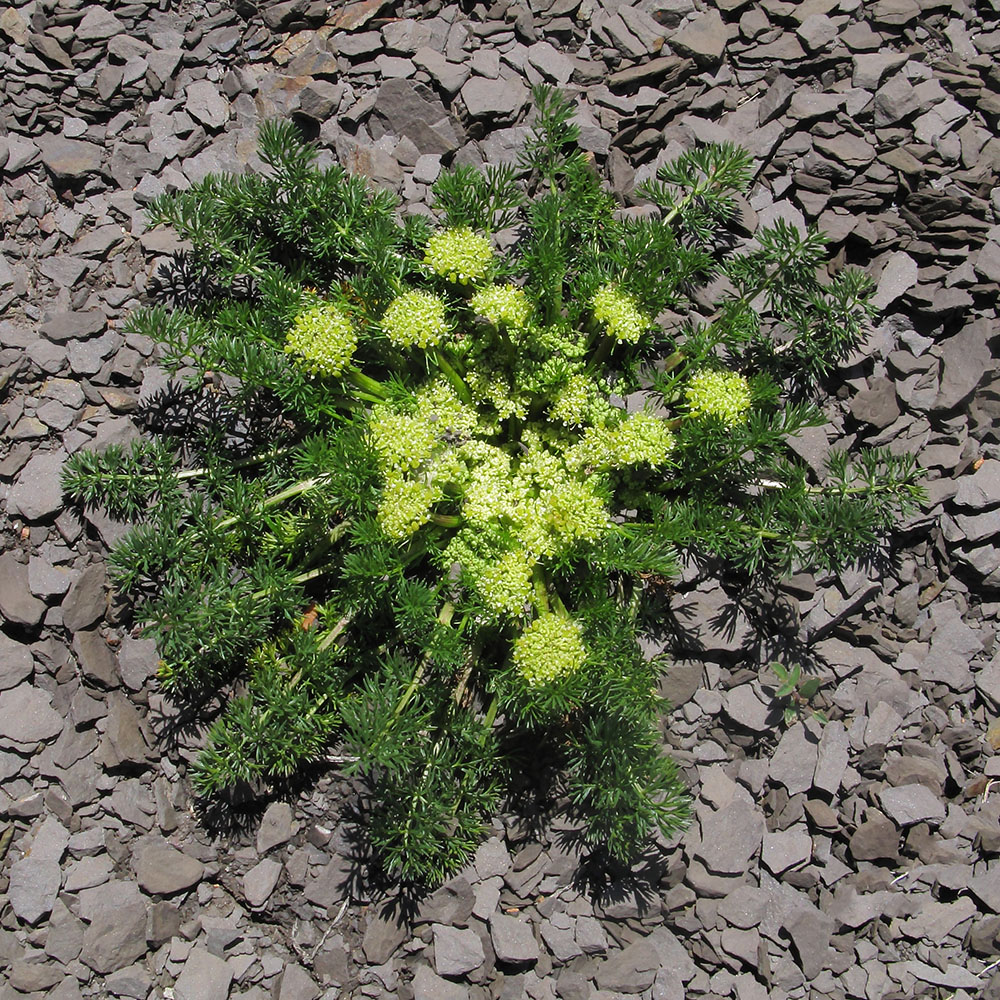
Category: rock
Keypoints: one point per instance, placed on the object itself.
(630, 970)
(709, 622)
(33, 886)
(492, 858)
(37, 493)
(730, 838)
(27, 716)
(204, 977)
(497, 100)
(296, 984)
(163, 870)
(260, 882)
(123, 741)
(743, 706)
(133, 981)
(981, 490)
(876, 405)
(276, 827)
(428, 986)
(64, 326)
(832, 758)
(794, 761)
(98, 25)
(810, 931)
(550, 62)
(115, 938)
(413, 111)
(513, 940)
(50, 841)
(383, 935)
(776, 99)
(876, 839)
(69, 160)
(17, 603)
(704, 39)
(97, 659)
(449, 76)
(785, 849)
(320, 99)
(87, 600)
(965, 360)
(205, 104)
(456, 950)
(898, 276)
(871, 67)
(16, 662)
(909, 804)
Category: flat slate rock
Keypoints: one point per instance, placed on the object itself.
(163, 870)
(27, 716)
(204, 977)
(33, 887)
(16, 662)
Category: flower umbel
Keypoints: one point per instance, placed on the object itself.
(415, 319)
(721, 394)
(502, 304)
(550, 648)
(460, 255)
(324, 338)
(616, 309)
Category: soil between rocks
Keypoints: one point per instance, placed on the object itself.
(855, 858)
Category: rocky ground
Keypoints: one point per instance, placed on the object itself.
(851, 859)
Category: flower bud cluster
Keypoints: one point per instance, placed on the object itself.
(324, 338)
(459, 255)
(549, 649)
(619, 313)
(415, 319)
(639, 439)
(721, 394)
(405, 506)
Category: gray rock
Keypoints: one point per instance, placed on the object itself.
(449, 76)
(630, 970)
(137, 661)
(871, 67)
(794, 762)
(785, 849)
(383, 935)
(730, 838)
(497, 100)
(96, 658)
(17, 603)
(909, 804)
(123, 741)
(513, 940)
(456, 950)
(709, 622)
(276, 827)
(743, 706)
(428, 986)
(33, 887)
(69, 159)
(37, 494)
(205, 104)
(412, 110)
(965, 360)
(320, 99)
(162, 869)
(704, 39)
(76, 325)
(134, 982)
(27, 715)
(832, 758)
(16, 663)
(204, 977)
(876, 839)
(550, 62)
(98, 25)
(492, 858)
(810, 931)
(260, 882)
(898, 276)
(981, 490)
(87, 600)
(877, 404)
(296, 984)
(50, 841)
(776, 99)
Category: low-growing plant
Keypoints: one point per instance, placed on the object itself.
(481, 458)
(795, 694)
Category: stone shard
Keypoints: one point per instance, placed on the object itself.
(16, 662)
(730, 837)
(204, 977)
(163, 870)
(115, 938)
(87, 600)
(457, 950)
(17, 603)
(513, 940)
(37, 494)
(33, 887)
(276, 827)
(704, 39)
(27, 716)
(69, 160)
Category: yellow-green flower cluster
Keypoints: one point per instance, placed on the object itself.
(550, 648)
(415, 319)
(619, 312)
(571, 406)
(400, 440)
(460, 255)
(323, 336)
(640, 439)
(502, 305)
(721, 394)
(405, 506)
(505, 583)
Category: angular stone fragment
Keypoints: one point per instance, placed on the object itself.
(630, 970)
(37, 494)
(457, 950)
(513, 940)
(33, 887)
(498, 100)
(898, 276)
(427, 985)
(206, 104)
(794, 762)
(69, 159)
(383, 936)
(276, 827)
(115, 938)
(16, 662)
(17, 603)
(260, 882)
(909, 804)
(27, 715)
(87, 599)
(163, 870)
(204, 977)
(810, 931)
(981, 490)
(876, 839)
(704, 39)
(730, 838)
